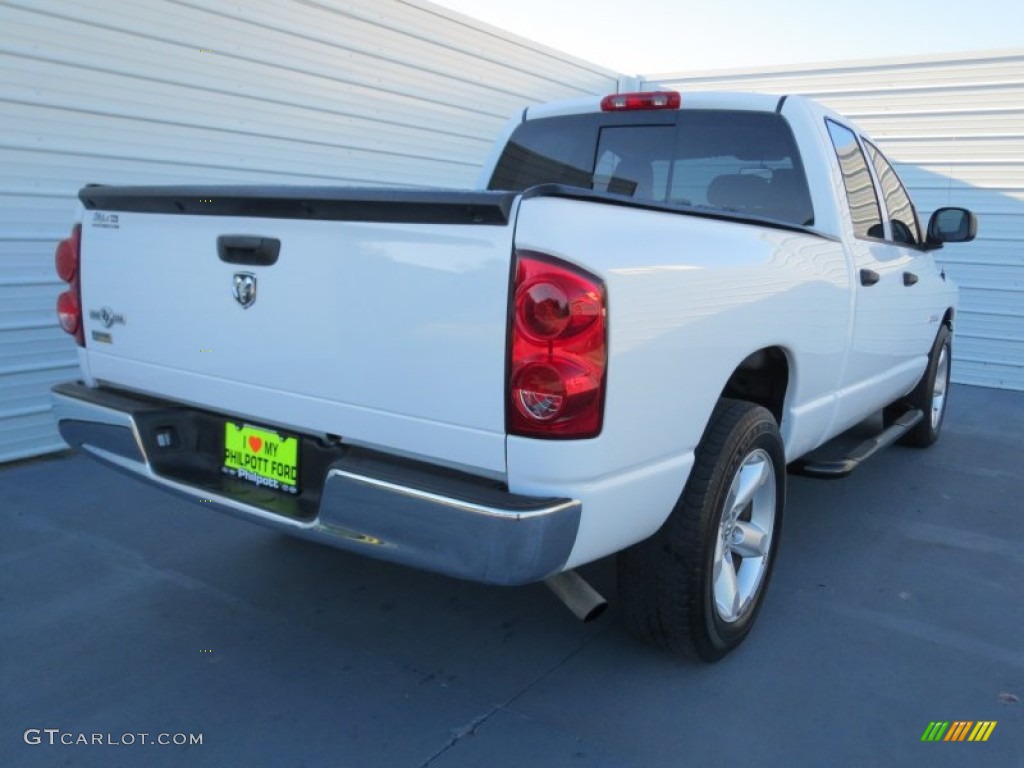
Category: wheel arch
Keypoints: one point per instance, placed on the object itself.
(763, 377)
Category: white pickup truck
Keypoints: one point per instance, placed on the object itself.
(655, 305)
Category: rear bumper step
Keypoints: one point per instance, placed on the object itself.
(362, 501)
(832, 469)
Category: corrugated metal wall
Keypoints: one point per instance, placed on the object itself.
(266, 91)
(954, 128)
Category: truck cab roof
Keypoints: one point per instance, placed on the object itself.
(753, 102)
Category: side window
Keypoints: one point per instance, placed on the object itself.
(860, 190)
(902, 218)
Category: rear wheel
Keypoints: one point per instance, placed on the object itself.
(697, 585)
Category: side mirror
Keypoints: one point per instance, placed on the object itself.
(952, 225)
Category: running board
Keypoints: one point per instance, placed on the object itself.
(836, 468)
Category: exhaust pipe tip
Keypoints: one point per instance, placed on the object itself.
(578, 596)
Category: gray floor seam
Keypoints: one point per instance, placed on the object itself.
(473, 725)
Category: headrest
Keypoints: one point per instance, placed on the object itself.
(738, 190)
(633, 177)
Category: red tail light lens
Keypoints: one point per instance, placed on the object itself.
(557, 350)
(544, 309)
(69, 312)
(66, 257)
(626, 102)
(69, 303)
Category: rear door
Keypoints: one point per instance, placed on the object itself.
(926, 294)
(881, 365)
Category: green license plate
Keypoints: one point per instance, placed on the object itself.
(261, 457)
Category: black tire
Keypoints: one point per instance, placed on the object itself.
(925, 394)
(667, 582)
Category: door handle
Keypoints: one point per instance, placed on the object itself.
(869, 277)
(248, 249)
(909, 279)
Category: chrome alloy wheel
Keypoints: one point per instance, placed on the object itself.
(745, 536)
(939, 387)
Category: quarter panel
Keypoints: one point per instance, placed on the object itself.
(688, 300)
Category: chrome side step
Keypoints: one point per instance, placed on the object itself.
(832, 469)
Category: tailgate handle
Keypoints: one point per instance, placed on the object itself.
(248, 249)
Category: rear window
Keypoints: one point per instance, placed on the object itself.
(742, 162)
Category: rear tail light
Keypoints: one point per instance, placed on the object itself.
(69, 304)
(626, 102)
(69, 312)
(66, 257)
(557, 350)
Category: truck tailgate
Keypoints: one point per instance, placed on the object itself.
(382, 319)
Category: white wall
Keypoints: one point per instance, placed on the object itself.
(404, 92)
(265, 91)
(954, 128)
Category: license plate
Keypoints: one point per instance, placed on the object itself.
(261, 457)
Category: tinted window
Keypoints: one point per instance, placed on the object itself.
(745, 162)
(902, 217)
(557, 150)
(633, 160)
(860, 191)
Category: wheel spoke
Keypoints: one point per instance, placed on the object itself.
(751, 477)
(939, 387)
(744, 536)
(749, 540)
(727, 593)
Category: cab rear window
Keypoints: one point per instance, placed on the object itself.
(741, 162)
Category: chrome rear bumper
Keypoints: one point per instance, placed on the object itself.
(375, 505)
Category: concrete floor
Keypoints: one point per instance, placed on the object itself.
(898, 599)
